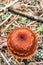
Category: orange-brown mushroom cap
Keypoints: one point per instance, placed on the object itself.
(22, 43)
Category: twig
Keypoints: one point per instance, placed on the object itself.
(4, 58)
(32, 17)
(39, 62)
(30, 6)
(8, 25)
(11, 22)
(9, 5)
(5, 20)
(15, 60)
(9, 59)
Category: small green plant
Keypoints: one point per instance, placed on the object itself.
(24, 20)
(42, 46)
(40, 29)
(4, 16)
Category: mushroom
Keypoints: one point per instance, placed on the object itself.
(22, 43)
